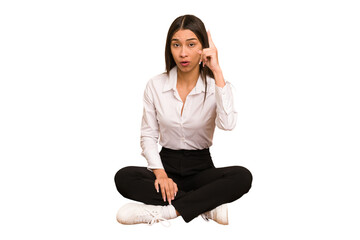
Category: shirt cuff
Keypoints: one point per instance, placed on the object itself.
(154, 161)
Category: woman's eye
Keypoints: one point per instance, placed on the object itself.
(192, 45)
(176, 45)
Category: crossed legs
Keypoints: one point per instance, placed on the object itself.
(197, 194)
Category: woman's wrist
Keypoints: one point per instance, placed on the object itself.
(160, 173)
(219, 78)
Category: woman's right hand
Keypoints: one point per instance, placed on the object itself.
(167, 186)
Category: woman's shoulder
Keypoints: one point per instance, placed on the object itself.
(157, 82)
(157, 79)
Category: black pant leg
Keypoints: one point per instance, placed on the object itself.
(137, 183)
(212, 188)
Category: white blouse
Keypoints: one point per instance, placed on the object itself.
(192, 130)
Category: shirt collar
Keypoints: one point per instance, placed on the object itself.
(171, 82)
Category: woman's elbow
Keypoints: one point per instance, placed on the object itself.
(228, 127)
(226, 124)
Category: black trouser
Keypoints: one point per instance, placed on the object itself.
(202, 187)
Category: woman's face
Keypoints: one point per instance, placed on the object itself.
(184, 48)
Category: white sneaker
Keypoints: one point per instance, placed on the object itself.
(134, 213)
(219, 215)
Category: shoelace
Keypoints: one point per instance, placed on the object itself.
(157, 218)
(205, 217)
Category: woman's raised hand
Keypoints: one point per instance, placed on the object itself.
(209, 56)
(167, 186)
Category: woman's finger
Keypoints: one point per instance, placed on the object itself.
(211, 43)
(169, 193)
(156, 183)
(208, 52)
(204, 56)
(209, 57)
(175, 190)
(163, 191)
(200, 52)
(168, 189)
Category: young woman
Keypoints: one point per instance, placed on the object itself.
(183, 106)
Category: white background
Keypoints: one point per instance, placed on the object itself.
(72, 77)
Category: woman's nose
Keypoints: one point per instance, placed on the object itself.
(183, 52)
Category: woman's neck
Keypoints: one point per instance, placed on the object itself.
(187, 79)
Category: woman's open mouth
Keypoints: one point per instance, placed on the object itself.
(184, 63)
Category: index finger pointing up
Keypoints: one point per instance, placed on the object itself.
(211, 43)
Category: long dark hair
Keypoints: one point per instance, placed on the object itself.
(195, 25)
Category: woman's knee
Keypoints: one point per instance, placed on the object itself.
(122, 173)
(244, 178)
(121, 178)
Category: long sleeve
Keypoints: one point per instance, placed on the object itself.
(150, 132)
(226, 116)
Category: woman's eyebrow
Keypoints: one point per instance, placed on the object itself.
(190, 39)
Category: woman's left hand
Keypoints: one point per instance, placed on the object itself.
(209, 56)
